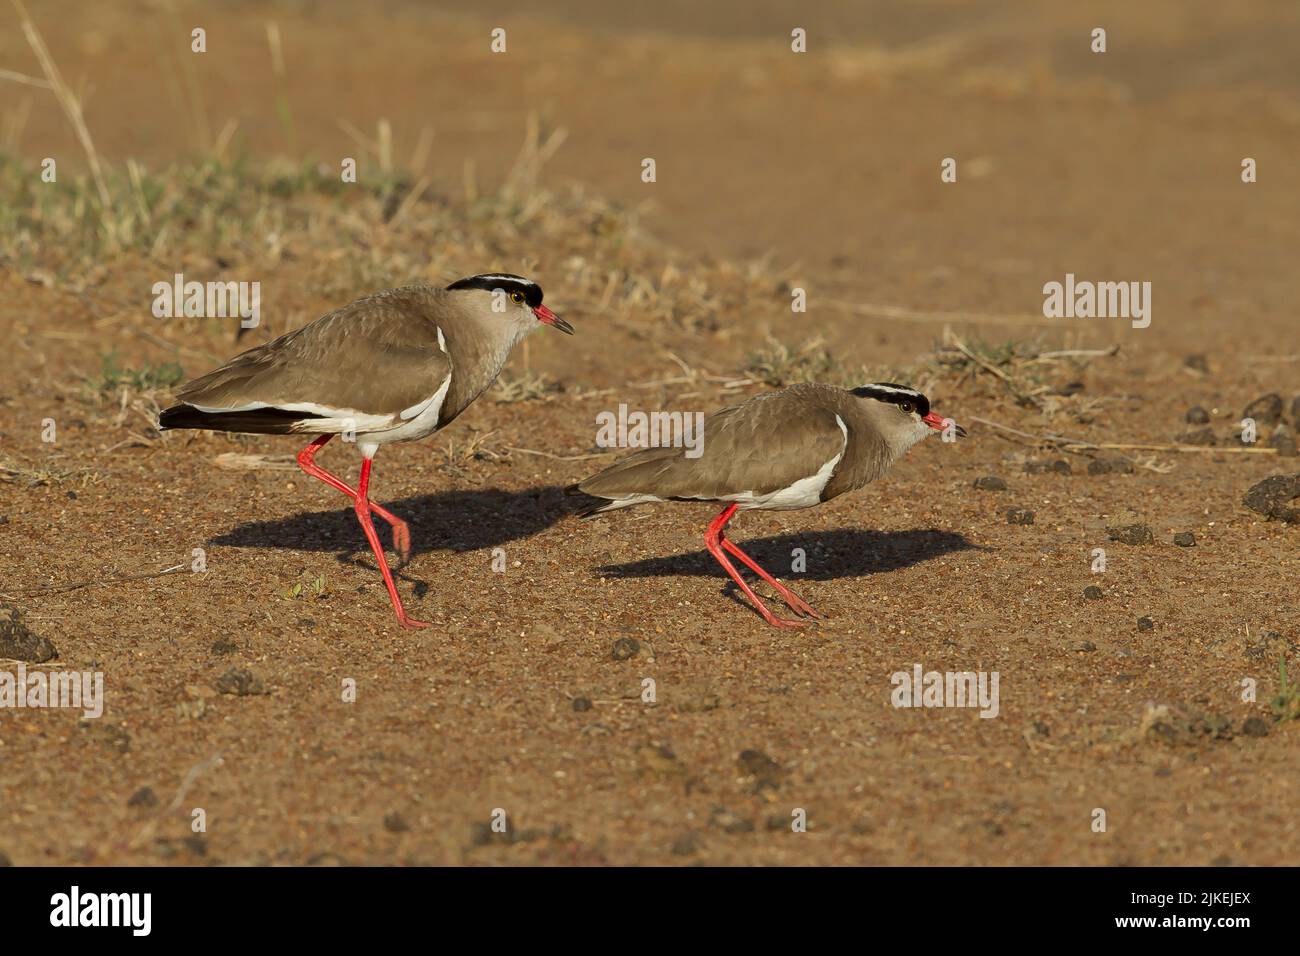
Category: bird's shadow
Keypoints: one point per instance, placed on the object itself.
(457, 521)
(816, 555)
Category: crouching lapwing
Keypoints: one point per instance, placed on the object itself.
(390, 367)
(779, 451)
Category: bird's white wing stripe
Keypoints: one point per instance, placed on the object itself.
(804, 493)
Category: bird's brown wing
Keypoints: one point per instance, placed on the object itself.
(379, 356)
(761, 446)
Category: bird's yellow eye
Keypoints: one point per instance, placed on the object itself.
(517, 296)
(907, 408)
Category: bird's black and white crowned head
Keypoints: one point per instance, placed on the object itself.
(511, 298)
(903, 413)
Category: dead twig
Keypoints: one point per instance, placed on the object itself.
(96, 582)
(547, 454)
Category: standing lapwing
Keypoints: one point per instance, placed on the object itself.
(780, 451)
(390, 367)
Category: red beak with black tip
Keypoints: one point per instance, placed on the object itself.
(547, 317)
(939, 423)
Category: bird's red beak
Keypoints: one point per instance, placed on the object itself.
(547, 317)
(939, 423)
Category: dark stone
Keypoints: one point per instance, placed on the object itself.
(1034, 467)
(1134, 534)
(1284, 441)
(240, 682)
(1062, 467)
(1019, 516)
(1185, 539)
(1254, 727)
(224, 646)
(1099, 466)
(687, 844)
(581, 704)
(1266, 410)
(1146, 624)
(1272, 496)
(1196, 415)
(1200, 436)
(18, 643)
(757, 763)
(1093, 593)
(626, 648)
(395, 823)
(1085, 646)
(144, 797)
(1197, 363)
(990, 483)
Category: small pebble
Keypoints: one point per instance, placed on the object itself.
(1131, 534)
(1092, 593)
(1127, 527)
(1266, 410)
(990, 483)
(1254, 727)
(1201, 436)
(240, 682)
(581, 704)
(1085, 646)
(1062, 467)
(396, 823)
(1284, 441)
(1146, 624)
(1099, 466)
(1196, 415)
(144, 797)
(1185, 539)
(1197, 363)
(1019, 516)
(626, 648)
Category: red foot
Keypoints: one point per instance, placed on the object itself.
(794, 601)
(364, 507)
(401, 530)
(715, 541)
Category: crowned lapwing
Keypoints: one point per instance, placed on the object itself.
(390, 367)
(779, 451)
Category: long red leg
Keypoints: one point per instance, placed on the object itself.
(796, 603)
(401, 530)
(361, 504)
(713, 541)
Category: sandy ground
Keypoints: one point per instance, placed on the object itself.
(1123, 166)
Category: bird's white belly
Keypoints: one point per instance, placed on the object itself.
(424, 422)
(804, 493)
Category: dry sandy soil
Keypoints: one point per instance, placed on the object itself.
(774, 170)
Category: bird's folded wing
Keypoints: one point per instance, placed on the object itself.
(762, 446)
(374, 358)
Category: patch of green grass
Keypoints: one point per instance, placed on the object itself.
(146, 378)
(313, 588)
(1286, 705)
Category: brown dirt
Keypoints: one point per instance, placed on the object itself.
(1116, 167)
